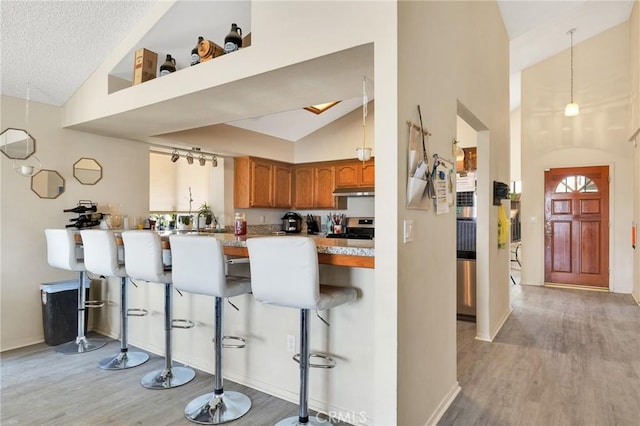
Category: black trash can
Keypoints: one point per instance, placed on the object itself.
(60, 311)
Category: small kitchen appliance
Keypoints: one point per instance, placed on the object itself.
(292, 223)
(360, 228)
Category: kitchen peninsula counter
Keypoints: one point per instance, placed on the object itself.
(331, 251)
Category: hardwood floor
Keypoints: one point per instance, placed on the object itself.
(77, 392)
(564, 357)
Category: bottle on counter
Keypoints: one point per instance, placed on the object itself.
(233, 40)
(168, 67)
(195, 56)
(240, 224)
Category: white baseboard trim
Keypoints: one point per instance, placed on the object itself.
(532, 283)
(444, 405)
(489, 338)
(635, 298)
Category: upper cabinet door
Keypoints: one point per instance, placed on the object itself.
(347, 175)
(324, 187)
(368, 175)
(261, 184)
(281, 186)
(303, 187)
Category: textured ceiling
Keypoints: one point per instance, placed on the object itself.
(53, 46)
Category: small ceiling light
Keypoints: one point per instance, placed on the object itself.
(320, 108)
(175, 156)
(189, 158)
(214, 161)
(572, 109)
(202, 160)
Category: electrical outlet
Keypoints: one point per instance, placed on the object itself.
(408, 231)
(291, 343)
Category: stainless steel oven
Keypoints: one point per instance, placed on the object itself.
(466, 231)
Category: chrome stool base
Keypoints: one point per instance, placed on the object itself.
(293, 421)
(80, 345)
(124, 360)
(167, 379)
(208, 409)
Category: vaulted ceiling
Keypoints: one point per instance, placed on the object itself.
(52, 47)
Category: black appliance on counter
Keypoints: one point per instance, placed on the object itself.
(358, 228)
(292, 223)
(312, 225)
(466, 230)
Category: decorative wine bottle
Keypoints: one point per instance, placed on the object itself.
(168, 67)
(82, 209)
(195, 57)
(233, 40)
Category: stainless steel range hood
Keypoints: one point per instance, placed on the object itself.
(360, 191)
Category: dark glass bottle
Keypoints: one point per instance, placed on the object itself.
(83, 224)
(168, 67)
(233, 40)
(195, 57)
(81, 209)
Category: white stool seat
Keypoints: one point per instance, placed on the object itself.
(285, 272)
(61, 253)
(101, 257)
(199, 267)
(143, 261)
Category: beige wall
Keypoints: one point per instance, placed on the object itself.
(516, 133)
(598, 136)
(448, 52)
(634, 72)
(24, 215)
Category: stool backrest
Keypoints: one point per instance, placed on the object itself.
(61, 249)
(197, 265)
(284, 271)
(101, 253)
(143, 256)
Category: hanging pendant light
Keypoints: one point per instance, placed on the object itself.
(572, 109)
(28, 165)
(364, 153)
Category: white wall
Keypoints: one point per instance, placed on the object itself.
(598, 136)
(24, 216)
(448, 52)
(516, 150)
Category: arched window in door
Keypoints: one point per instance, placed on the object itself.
(577, 183)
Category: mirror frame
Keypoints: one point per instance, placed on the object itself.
(99, 170)
(61, 188)
(3, 143)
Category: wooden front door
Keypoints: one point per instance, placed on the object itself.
(577, 226)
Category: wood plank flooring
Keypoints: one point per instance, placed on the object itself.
(564, 357)
(42, 387)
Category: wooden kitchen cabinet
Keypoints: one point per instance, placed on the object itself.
(313, 186)
(261, 183)
(355, 173)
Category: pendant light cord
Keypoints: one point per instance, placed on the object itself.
(571, 34)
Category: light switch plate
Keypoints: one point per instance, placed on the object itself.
(408, 231)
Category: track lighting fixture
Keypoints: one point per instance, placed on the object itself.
(194, 154)
(214, 161)
(202, 160)
(175, 156)
(189, 158)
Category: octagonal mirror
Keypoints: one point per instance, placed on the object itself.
(87, 171)
(47, 184)
(17, 144)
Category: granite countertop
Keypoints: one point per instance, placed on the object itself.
(341, 246)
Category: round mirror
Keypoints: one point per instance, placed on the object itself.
(17, 144)
(87, 170)
(47, 184)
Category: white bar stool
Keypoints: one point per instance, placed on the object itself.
(143, 261)
(284, 272)
(101, 258)
(61, 253)
(199, 267)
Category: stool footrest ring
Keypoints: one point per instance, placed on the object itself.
(94, 304)
(242, 340)
(137, 312)
(182, 323)
(329, 362)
